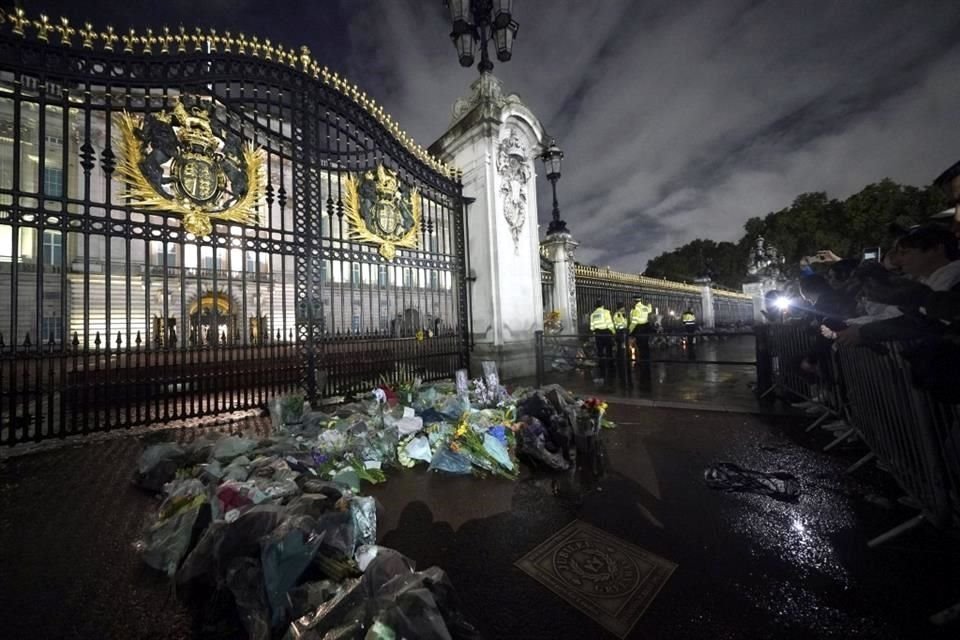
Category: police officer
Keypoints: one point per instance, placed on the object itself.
(689, 320)
(620, 327)
(640, 329)
(601, 324)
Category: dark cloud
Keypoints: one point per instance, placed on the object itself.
(678, 119)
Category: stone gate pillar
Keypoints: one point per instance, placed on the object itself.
(495, 140)
(709, 319)
(560, 249)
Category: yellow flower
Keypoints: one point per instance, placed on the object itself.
(420, 336)
(461, 431)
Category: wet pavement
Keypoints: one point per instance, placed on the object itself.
(748, 566)
(689, 381)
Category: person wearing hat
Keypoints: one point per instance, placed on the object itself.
(620, 327)
(601, 325)
(639, 329)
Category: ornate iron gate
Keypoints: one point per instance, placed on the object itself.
(191, 223)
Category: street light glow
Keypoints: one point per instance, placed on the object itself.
(782, 303)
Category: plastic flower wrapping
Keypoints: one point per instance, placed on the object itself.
(296, 494)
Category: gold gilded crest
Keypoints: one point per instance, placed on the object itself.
(379, 213)
(186, 161)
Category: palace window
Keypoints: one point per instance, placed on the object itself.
(52, 245)
(355, 274)
(157, 254)
(53, 182)
(383, 278)
(52, 326)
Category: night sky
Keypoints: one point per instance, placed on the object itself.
(678, 119)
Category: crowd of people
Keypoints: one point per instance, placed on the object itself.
(908, 291)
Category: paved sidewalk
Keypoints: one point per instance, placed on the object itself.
(748, 566)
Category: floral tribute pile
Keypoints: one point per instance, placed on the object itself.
(279, 522)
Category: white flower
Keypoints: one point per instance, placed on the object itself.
(379, 395)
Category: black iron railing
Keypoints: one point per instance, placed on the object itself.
(578, 351)
(915, 434)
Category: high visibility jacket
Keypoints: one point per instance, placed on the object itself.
(619, 320)
(601, 320)
(688, 318)
(640, 314)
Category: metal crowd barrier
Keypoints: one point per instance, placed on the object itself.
(916, 437)
(780, 351)
(900, 425)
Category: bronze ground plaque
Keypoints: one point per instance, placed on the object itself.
(610, 580)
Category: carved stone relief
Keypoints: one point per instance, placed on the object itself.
(514, 171)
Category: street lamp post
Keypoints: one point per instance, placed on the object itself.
(552, 157)
(476, 23)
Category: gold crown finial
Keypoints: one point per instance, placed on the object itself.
(129, 39)
(19, 20)
(182, 38)
(165, 40)
(43, 27)
(66, 32)
(148, 40)
(87, 36)
(109, 38)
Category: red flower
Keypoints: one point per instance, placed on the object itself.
(390, 393)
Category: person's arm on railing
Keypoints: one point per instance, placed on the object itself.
(942, 305)
(880, 286)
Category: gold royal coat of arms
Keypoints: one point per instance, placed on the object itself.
(378, 212)
(187, 161)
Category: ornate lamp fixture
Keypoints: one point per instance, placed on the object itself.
(476, 23)
(552, 157)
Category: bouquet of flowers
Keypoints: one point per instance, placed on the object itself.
(590, 453)
(552, 324)
(597, 408)
(487, 455)
(407, 391)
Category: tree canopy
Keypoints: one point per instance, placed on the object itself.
(813, 222)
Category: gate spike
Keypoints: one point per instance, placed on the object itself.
(119, 341)
(76, 340)
(1, 340)
(139, 340)
(26, 340)
(51, 341)
(96, 340)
